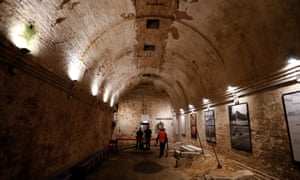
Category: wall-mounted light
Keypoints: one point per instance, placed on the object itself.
(75, 68)
(292, 62)
(112, 101)
(105, 96)
(94, 89)
(191, 106)
(181, 111)
(205, 101)
(25, 50)
(236, 99)
(23, 35)
(231, 89)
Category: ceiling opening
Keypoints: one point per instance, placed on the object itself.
(149, 47)
(153, 23)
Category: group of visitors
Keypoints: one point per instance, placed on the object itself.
(143, 139)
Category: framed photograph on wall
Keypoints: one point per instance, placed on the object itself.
(193, 120)
(291, 102)
(240, 127)
(210, 129)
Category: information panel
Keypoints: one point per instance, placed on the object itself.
(291, 103)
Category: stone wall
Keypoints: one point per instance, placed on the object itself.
(269, 136)
(43, 132)
(156, 105)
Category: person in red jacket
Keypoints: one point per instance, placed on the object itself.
(163, 139)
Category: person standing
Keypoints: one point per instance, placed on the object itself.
(163, 139)
(148, 135)
(139, 137)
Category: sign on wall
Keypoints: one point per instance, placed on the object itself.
(240, 127)
(210, 130)
(291, 102)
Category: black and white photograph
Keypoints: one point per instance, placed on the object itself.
(240, 127)
(291, 102)
(210, 130)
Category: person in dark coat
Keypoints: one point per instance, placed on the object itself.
(148, 135)
(139, 138)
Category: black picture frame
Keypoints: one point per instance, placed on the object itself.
(291, 105)
(240, 127)
(210, 128)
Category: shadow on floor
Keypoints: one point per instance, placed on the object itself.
(147, 167)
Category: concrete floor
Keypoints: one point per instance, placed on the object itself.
(135, 165)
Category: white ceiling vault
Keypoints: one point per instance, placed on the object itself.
(187, 49)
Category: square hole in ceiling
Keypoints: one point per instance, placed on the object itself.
(149, 47)
(153, 24)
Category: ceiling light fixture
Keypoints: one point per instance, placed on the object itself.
(206, 102)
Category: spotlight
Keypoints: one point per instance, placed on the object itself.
(293, 62)
(236, 99)
(208, 107)
(181, 111)
(25, 50)
(205, 101)
(231, 89)
(191, 106)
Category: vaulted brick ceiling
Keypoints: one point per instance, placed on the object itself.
(189, 49)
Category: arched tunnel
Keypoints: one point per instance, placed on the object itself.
(76, 75)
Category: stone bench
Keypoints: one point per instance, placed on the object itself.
(80, 170)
